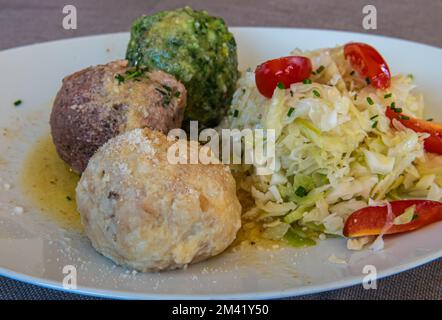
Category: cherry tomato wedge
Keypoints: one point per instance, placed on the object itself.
(434, 142)
(368, 62)
(370, 221)
(285, 70)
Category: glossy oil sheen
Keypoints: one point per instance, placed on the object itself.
(50, 183)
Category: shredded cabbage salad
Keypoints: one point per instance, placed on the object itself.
(336, 151)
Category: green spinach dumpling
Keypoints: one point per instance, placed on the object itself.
(198, 50)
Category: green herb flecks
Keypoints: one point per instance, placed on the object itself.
(320, 69)
(280, 85)
(393, 107)
(132, 73)
(301, 191)
(370, 101)
(119, 78)
(168, 94)
(290, 112)
(17, 102)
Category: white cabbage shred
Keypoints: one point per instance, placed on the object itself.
(336, 151)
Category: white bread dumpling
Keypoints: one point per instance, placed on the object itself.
(148, 214)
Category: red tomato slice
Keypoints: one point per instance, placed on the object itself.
(285, 70)
(434, 142)
(370, 221)
(368, 62)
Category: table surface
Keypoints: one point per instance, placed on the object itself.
(30, 21)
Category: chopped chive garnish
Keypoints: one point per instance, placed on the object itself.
(17, 102)
(320, 69)
(290, 112)
(375, 124)
(161, 91)
(166, 100)
(356, 97)
(236, 113)
(167, 96)
(374, 117)
(280, 85)
(370, 101)
(68, 198)
(177, 94)
(167, 88)
(301, 191)
(133, 74)
(393, 107)
(352, 73)
(316, 93)
(388, 95)
(307, 81)
(291, 93)
(430, 119)
(119, 78)
(404, 117)
(367, 80)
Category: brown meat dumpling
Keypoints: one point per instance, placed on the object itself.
(100, 102)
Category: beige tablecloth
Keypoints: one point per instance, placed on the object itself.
(30, 21)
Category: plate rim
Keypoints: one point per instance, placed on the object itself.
(271, 294)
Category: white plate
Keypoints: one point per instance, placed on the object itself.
(35, 249)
